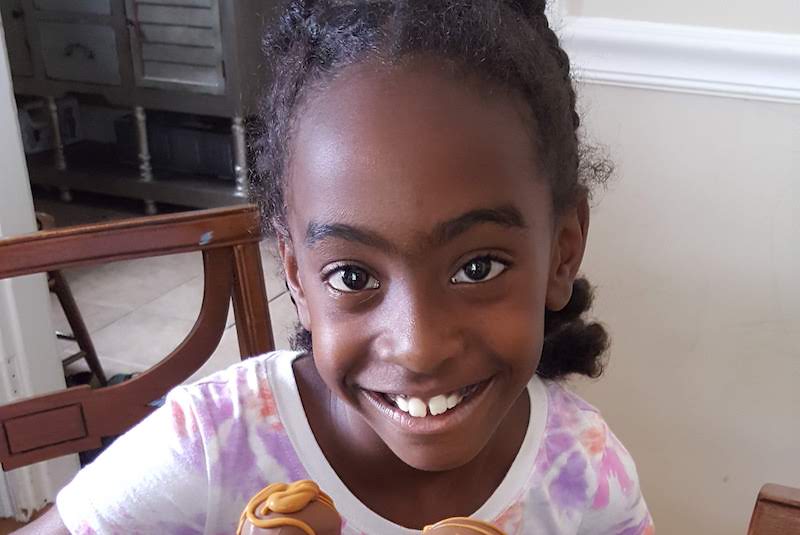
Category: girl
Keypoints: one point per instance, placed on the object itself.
(420, 169)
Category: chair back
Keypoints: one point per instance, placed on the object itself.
(76, 419)
(777, 511)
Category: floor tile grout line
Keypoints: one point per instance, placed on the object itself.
(128, 313)
(271, 299)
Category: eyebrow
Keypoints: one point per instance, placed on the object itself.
(506, 216)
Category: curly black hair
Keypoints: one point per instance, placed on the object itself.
(506, 44)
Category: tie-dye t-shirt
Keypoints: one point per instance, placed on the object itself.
(191, 466)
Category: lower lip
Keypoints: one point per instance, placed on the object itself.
(429, 425)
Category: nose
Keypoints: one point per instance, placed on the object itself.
(421, 334)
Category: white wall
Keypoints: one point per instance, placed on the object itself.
(695, 247)
(766, 15)
(29, 362)
(695, 250)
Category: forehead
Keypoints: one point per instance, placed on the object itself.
(404, 148)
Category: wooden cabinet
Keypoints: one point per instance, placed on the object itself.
(189, 56)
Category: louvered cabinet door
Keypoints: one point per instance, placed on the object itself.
(96, 7)
(177, 44)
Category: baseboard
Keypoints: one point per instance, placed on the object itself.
(688, 59)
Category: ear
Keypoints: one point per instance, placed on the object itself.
(569, 245)
(293, 282)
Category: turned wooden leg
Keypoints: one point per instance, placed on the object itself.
(150, 207)
(145, 169)
(60, 159)
(66, 194)
(240, 155)
(58, 143)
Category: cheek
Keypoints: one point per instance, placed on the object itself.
(515, 328)
(338, 340)
(518, 334)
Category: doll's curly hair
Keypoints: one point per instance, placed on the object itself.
(506, 44)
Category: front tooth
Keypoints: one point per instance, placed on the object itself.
(453, 400)
(437, 405)
(401, 402)
(417, 408)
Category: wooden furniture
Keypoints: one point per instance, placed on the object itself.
(75, 419)
(777, 511)
(80, 333)
(190, 56)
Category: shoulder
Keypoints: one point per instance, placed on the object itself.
(577, 433)
(586, 467)
(222, 413)
(245, 389)
(237, 415)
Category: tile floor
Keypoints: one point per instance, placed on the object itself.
(137, 311)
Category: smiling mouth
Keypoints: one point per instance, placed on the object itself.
(434, 408)
(421, 408)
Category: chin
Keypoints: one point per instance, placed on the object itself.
(435, 464)
(437, 456)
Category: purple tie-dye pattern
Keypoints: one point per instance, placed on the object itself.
(181, 530)
(220, 406)
(556, 445)
(569, 489)
(235, 466)
(279, 445)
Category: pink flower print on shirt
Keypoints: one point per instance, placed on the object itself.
(510, 521)
(645, 527)
(179, 421)
(269, 409)
(85, 529)
(594, 439)
(189, 442)
(611, 466)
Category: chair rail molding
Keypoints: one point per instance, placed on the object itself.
(687, 59)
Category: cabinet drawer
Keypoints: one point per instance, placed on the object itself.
(97, 7)
(177, 44)
(80, 52)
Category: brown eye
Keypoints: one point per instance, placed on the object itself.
(480, 269)
(352, 279)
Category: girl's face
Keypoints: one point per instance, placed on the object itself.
(423, 253)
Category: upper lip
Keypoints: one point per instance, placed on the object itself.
(427, 392)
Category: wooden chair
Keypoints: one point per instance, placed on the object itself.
(75, 419)
(777, 511)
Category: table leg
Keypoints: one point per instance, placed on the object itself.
(240, 155)
(58, 142)
(145, 169)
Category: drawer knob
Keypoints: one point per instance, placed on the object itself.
(79, 47)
